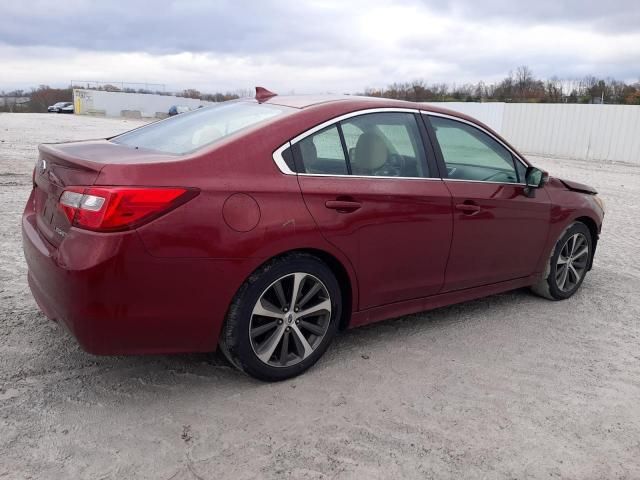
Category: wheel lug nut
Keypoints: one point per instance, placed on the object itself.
(296, 309)
(297, 322)
(288, 328)
(279, 322)
(285, 309)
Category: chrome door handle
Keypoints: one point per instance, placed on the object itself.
(343, 206)
(468, 208)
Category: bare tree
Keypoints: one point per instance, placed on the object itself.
(191, 93)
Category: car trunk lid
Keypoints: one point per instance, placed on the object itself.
(75, 164)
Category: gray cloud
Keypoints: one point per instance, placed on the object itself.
(171, 26)
(609, 16)
(316, 45)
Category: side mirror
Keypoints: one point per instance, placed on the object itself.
(534, 178)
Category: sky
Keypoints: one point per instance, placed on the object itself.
(313, 46)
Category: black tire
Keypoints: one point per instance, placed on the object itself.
(235, 340)
(549, 285)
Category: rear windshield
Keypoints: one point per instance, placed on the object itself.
(187, 132)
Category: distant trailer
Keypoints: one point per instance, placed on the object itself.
(129, 105)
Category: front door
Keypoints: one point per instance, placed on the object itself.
(498, 231)
(369, 187)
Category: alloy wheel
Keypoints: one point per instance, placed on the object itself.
(572, 262)
(290, 319)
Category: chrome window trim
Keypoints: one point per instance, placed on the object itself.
(438, 179)
(284, 168)
(279, 160)
(483, 181)
(483, 130)
(328, 123)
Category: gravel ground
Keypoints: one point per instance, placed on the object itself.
(511, 386)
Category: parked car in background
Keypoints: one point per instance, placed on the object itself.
(56, 107)
(264, 226)
(67, 109)
(178, 109)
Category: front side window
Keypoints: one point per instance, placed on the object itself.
(190, 131)
(377, 144)
(470, 154)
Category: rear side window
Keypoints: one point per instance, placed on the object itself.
(191, 131)
(322, 153)
(385, 144)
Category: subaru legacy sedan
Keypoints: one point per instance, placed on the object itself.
(264, 226)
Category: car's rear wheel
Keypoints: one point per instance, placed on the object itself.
(568, 264)
(283, 318)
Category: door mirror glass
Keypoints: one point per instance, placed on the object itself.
(535, 177)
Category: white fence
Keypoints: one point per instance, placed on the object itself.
(491, 114)
(120, 104)
(590, 132)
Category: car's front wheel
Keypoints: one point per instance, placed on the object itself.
(283, 318)
(568, 264)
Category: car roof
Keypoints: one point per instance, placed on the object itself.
(306, 101)
(356, 102)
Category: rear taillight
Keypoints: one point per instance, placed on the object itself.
(108, 209)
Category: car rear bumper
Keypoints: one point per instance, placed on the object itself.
(116, 298)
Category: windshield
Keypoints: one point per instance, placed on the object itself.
(187, 132)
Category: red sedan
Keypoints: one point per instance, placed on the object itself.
(264, 226)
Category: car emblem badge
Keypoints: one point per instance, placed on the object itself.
(43, 166)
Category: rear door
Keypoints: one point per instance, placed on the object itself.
(499, 232)
(376, 196)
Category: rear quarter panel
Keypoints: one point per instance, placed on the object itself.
(246, 211)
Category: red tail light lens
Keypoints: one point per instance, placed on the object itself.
(108, 209)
